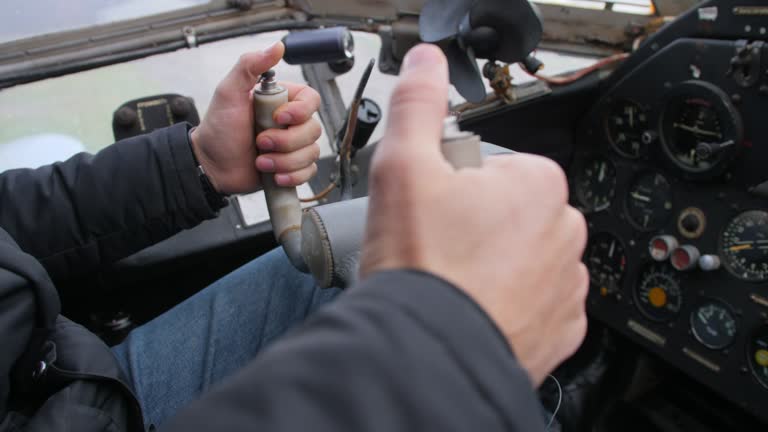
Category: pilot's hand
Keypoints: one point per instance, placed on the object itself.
(503, 233)
(224, 142)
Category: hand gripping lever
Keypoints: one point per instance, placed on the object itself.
(326, 240)
(282, 202)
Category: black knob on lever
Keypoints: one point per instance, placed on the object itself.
(327, 45)
(705, 151)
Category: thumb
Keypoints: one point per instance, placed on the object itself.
(418, 107)
(246, 73)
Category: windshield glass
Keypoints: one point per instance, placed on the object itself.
(25, 18)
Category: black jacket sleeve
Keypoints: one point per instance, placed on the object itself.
(404, 351)
(91, 210)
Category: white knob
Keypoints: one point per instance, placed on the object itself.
(709, 262)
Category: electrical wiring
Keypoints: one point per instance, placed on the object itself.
(559, 401)
(321, 195)
(567, 79)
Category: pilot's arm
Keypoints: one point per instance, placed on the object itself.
(472, 292)
(91, 210)
(404, 351)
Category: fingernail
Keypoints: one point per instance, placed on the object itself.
(283, 179)
(265, 144)
(420, 55)
(272, 47)
(265, 164)
(284, 118)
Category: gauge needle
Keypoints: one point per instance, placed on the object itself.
(631, 118)
(740, 247)
(601, 176)
(610, 251)
(637, 196)
(695, 129)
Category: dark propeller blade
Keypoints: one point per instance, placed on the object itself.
(465, 75)
(440, 19)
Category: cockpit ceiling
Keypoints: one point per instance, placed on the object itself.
(392, 9)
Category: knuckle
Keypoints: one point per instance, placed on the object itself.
(312, 95)
(314, 152)
(554, 178)
(311, 171)
(415, 92)
(247, 58)
(578, 226)
(301, 110)
(583, 283)
(385, 165)
(580, 329)
(317, 130)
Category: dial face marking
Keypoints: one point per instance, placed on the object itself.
(595, 185)
(658, 296)
(744, 246)
(625, 123)
(649, 202)
(699, 127)
(713, 325)
(757, 355)
(606, 261)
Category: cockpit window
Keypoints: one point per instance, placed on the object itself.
(638, 7)
(24, 18)
(52, 119)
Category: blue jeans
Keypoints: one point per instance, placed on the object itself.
(179, 355)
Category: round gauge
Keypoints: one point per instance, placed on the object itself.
(606, 261)
(596, 185)
(744, 246)
(625, 124)
(758, 355)
(713, 325)
(658, 294)
(700, 128)
(649, 203)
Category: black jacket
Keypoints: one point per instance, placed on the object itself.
(403, 351)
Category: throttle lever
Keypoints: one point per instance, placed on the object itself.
(282, 202)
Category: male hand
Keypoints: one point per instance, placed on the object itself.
(503, 233)
(224, 141)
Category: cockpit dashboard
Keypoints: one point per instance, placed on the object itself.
(669, 169)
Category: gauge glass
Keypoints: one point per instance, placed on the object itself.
(699, 126)
(658, 294)
(744, 246)
(596, 185)
(625, 125)
(713, 325)
(649, 203)
(758, 355)
(606, 261)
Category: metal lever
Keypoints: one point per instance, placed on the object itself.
(282, 202)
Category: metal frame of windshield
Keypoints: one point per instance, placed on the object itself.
(584, 31)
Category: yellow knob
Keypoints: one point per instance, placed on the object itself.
(761, 357)
(658, 297)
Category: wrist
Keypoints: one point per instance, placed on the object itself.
(216, 200)
(202, 160)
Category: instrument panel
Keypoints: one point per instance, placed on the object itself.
(670, 169)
